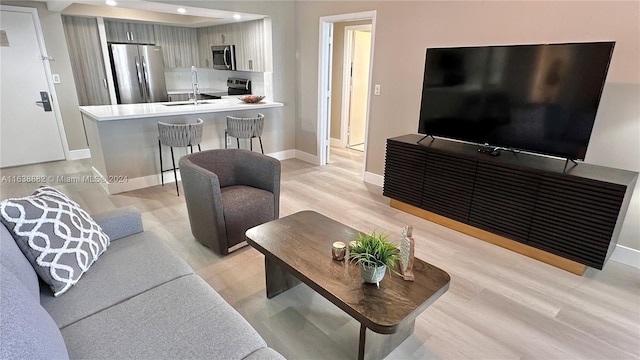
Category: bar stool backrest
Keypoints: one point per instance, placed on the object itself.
(245, 128)
(180, 135)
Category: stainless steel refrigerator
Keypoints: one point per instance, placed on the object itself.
(138, 73)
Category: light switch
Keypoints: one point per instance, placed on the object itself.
(56, 78)
(376, 89)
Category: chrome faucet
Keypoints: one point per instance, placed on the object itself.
(195, 89)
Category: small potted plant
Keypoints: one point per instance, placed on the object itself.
(374, 253)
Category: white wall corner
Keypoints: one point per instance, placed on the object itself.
(79, 154)
(626, 255)
(374, 179)
(312, 159)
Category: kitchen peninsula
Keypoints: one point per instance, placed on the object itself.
(123, 139)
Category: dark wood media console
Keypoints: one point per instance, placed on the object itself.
(539, 206)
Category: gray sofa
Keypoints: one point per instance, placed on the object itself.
(138, 300)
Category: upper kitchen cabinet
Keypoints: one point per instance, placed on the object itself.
(179, 45)
(124, 32)
(87, 62)
(248, 37)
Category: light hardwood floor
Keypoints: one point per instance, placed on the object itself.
(501, 305)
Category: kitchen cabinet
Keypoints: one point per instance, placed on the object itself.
(179, 45)
(87, 62)
(124, 32)
(248, 37)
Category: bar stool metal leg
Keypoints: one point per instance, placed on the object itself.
(225, 139)
(175, 174)
(199, 149)
(261, 149)
(161, 168)
(251, 143)
(238, 142)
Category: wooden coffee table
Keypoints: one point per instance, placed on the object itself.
(298, 248)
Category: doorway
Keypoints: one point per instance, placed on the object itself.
(327, 75)
(31, 127)
(355, 88)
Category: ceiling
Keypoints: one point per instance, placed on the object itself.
(146, 11)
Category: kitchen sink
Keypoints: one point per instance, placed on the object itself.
(183, 103)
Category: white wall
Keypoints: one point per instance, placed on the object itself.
(615, 142)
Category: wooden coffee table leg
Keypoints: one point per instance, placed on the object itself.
(278, 280)
(376, 346)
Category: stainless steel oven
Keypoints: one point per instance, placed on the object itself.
(237, 86)
(224, 57)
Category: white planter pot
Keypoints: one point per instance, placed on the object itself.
(372, 275)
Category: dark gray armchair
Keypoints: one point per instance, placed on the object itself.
(227, 192)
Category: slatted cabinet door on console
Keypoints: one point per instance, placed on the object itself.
(504, 200)
(448, 185)
(575, 217)
(404, 172)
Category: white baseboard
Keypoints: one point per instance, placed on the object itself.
(79, 154)
(336, 142)
(137, 183)
(153, 180)
(283, 155)
(105, 186)
(374, 179)
(626, 255)
(313, 159)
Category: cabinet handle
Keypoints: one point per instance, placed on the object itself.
(131, 32)
(128, 39)
(105, 83)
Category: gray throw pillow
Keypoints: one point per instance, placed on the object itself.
(59, 238)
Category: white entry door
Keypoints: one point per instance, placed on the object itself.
(28, 132)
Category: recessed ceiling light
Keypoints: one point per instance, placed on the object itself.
(237, 16)
(182, 10)
(111, 2)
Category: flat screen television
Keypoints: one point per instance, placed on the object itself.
(537, 98)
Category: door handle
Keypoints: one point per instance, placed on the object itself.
(139, 77)
(45, 103)
(145, 77)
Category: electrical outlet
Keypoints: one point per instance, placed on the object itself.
(229, 141)
(56, 78)
(376, 89)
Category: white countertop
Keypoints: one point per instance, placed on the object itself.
(134, 111)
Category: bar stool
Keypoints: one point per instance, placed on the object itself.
(245, 128)
(178, 135)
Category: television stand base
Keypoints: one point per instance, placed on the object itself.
(424, 137)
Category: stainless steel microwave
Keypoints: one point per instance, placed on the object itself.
(224, 57)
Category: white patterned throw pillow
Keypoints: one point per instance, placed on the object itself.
(59, 238)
